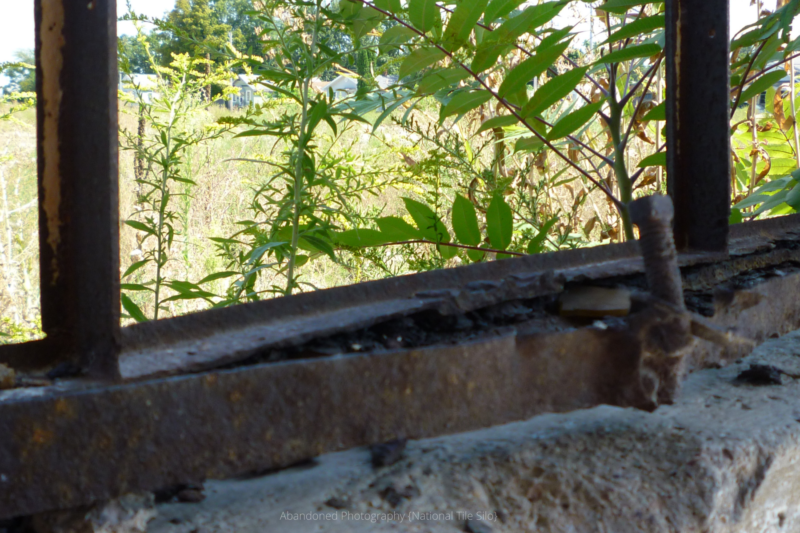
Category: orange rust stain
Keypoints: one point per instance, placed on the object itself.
(235, 396)
(211, 379)
(41, 436)
(64, 408)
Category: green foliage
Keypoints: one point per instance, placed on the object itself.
(134, 52)
(304, 201)
(13, 333)
(501, 112)
(196, 28)
(21, 72)
(166, 109)
(765, 151)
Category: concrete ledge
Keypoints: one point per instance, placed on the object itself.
(724, 458)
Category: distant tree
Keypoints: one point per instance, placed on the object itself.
(199, 31)
(204, 27)
(244, 29)
(133, 50)
(21, 78)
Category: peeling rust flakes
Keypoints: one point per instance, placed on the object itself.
(52, 61)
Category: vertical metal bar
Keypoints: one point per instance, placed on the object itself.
(698, 125)
(76, 66)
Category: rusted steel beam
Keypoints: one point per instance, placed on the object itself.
(78, 441)
(698, 121)
(77, 79)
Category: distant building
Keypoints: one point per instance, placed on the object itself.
(144, 85)
(341, 86)
(251, 92)
(384, 82)
(318, 85)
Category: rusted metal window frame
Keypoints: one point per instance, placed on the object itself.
(208, 421)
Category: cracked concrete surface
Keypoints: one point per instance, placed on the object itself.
(724, 458)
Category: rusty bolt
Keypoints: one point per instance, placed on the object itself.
(653, 215)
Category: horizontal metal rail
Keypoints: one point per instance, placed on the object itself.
(91, 441)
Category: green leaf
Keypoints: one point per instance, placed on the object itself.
(659, 112)
(392, 6)
(528, 144)
(621, 6)
(256, 254)
(500, 8)
(553, 91)
(365, 21)
(528, 21)
(441, 79)
(319, 109)
(573, 121)
(465, 101)
(395, 36)
(499, 223)
(134, 287)
(782, 166)
(628, 53)
(498, 122)
(530, 68)
(793, 198)
(132, 309)
(762, 84)
(736, 217)
(656, 160)
(487, 54)
(475, 256)
(395, 229)
(217, 275)
(134, 267)
(462, 22)
(135, 224)
(427, 221)
(424, 14)
(536, 246)
(389, 110)
(360, 238)
(418, 59)
(465, 222)
(321, 245)
(637, 27)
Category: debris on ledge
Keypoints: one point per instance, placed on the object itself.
(724, 458)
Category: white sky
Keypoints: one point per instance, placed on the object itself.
(16, 24)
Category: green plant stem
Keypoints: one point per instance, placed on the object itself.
(302, 141)
(792, 93)
(754, 130)
(623, 179)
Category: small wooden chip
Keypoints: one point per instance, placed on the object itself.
(8, 378)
